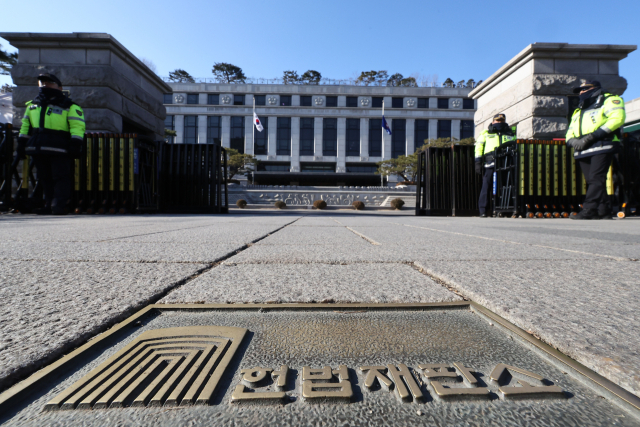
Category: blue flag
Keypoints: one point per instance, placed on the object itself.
(385, 126)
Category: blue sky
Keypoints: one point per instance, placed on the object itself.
(454, 38)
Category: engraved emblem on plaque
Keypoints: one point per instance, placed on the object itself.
(365, 102)
(456, 103)
(225, 99)
(257, 377)
(317, 385)
(179, 99)
(272, 100)
(162, 367)
(525, 390)
(411, 102)
(318, 101)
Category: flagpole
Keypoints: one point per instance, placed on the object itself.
(382, 142)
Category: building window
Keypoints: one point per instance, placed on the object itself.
(360, 168)
(274, 167)
(190, 129)
(317, 167)
(261, 143)
(468, 104)
(192, 98)
(423, 102)
(466, 129)
(167, 98)
(375, 137)
(376, 102)
(330, 137)
(213, 130)
(169, 123)
(238, 99)
(398, 138)
(353, 137)
(305, 101)
(283, 146)
(260, 99)
(306, 137)
(421, 133)
(352, 101)
(332, 101)
(285, 100)
(213, 99)
(443, 103)
(396, 102)
(444, 128)
(237, 134)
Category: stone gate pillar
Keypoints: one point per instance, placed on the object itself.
(532, 88)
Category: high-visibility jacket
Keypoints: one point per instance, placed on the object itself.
(608, 114)
(52, 132)
(487, 143)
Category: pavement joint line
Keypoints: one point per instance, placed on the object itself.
(29, 383)
(155, 232)
(439, 281)
(519, 243)
(368, 239)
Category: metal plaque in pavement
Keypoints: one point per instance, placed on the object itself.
(435, 364)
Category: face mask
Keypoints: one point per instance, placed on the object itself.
(50, 92)
(587, 95)
(497, 127)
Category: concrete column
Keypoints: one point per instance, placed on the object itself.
(273, 135)
(202, 129)
(433, 103)
(387, 102)
(248, 99)
(386, 139)
(411, 126)
(455, 130)
(295, 100)
(202, 100)
(342, 101)
(248, 134)
(433, 128)
(295, 144)
(317, 136)
(364, 138)
(342, 144)
(179, 126)
(225, 131)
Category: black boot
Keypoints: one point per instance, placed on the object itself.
(605, 215)
(587, 214)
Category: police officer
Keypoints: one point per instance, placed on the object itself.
(595, 134)
(497, 133)
(52, 132)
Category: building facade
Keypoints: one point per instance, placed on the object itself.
(330, 134)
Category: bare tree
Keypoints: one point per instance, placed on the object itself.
(149, 63)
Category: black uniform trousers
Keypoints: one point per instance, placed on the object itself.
(487, 190)
(595, 170)
(54, 174)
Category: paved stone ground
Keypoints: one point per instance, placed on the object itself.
(573, 284)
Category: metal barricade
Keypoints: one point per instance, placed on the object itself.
(627, 177)
(194, 178)
(537, 179)
(117, 173)
(447, 183)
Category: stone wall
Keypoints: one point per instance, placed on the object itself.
(116, 90)
(532, 88)
(305, 196)
(633, 111)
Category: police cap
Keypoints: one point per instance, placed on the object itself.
(587, 85)
(500, 117)
(46, 77)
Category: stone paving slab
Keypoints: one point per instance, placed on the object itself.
(315, 236)
(586, 309)
(50, 307)
(114, 251)
(298, 283)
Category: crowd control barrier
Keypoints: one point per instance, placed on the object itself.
(538, 179)
(446, 182)
(627, 176)
(193, 178)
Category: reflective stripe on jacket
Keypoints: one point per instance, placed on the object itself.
(60, 124)
(487, 143)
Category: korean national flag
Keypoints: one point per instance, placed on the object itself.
(256, 121)
(385, 126)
